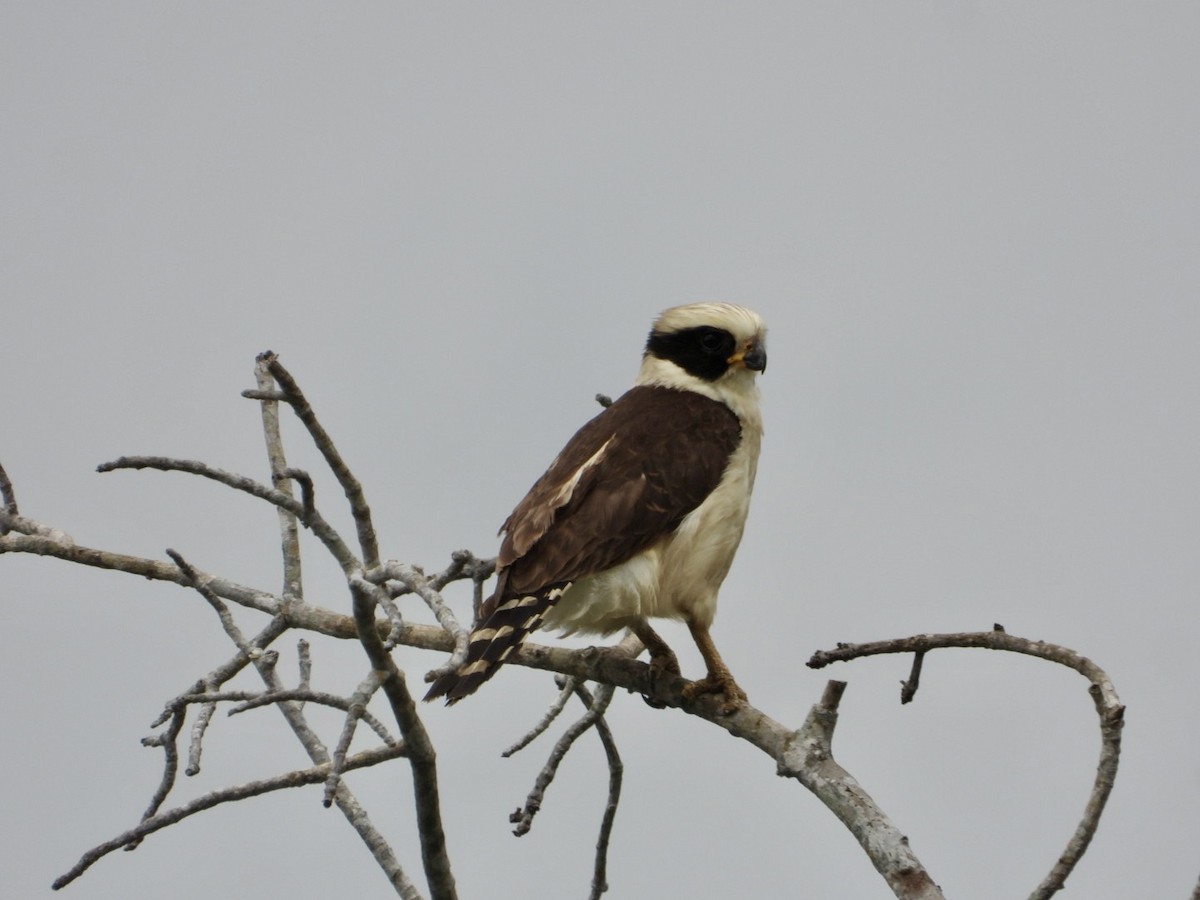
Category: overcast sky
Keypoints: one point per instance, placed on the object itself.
(972, 228)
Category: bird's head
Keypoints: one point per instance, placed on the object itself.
(709, 341)
(714, 349)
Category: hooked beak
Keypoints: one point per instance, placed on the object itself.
(752, 355)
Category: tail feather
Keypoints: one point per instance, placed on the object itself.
(494, 640)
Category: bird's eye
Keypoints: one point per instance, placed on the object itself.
(712, 342)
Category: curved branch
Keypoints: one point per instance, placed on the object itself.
(885, 845)
(321, 528)
(1108, 707)
(523, 818)
(616, 772)
(415, 581)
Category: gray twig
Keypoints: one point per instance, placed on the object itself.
(356, 709)
(289, 533)
(7, 495)
(322, 529)
(567, 686)
(194, 580)
(414, 580)
(199, 729)
(308, 493)
(304, 656)
(616, 771)
(226, 671)
(167, 740)
(523, 818)
(908, 688)
(324, 443)
(249, 700)
(298, 778)
(422, 757)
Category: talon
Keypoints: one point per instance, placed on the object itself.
(661, 663)
(665, 662)
(718, 683)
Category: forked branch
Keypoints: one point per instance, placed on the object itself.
(1108, 707)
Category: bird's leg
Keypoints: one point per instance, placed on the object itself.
(719, 679)
(662, 657)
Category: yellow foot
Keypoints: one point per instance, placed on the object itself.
(717, 683)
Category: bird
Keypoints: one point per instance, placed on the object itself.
(640, 515)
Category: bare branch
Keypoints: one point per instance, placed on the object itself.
(556, 708)
(1108, 707)
(909, 688)
(248, 700)
(807, 756)
(193, 580)
(346, 801)
(298, 778)
(199, 729)
(324, 443)
(616, 771)
(44, 543)
(422, 757)
(523, 818)
(414, 580)
(356, 709)
(9, 522)
(304, 656)
(289, 544)
(308, 493)
(322, 529)
(167, 740)
(618, 669)
(226, 671)
(7, 495)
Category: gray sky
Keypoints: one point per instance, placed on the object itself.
(972, 228)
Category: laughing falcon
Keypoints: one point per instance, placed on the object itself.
(641, 513)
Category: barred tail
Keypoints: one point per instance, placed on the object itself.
(495, 640)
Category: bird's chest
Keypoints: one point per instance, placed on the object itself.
(697, 557)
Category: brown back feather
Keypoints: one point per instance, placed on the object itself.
(667, 452)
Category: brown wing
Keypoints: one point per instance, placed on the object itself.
(623, 482)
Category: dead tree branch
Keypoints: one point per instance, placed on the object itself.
(422, 757)
(1108, 707)
(805, 754)
(324, 443)
(298, 778)
(616, 772)
(7, 496)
